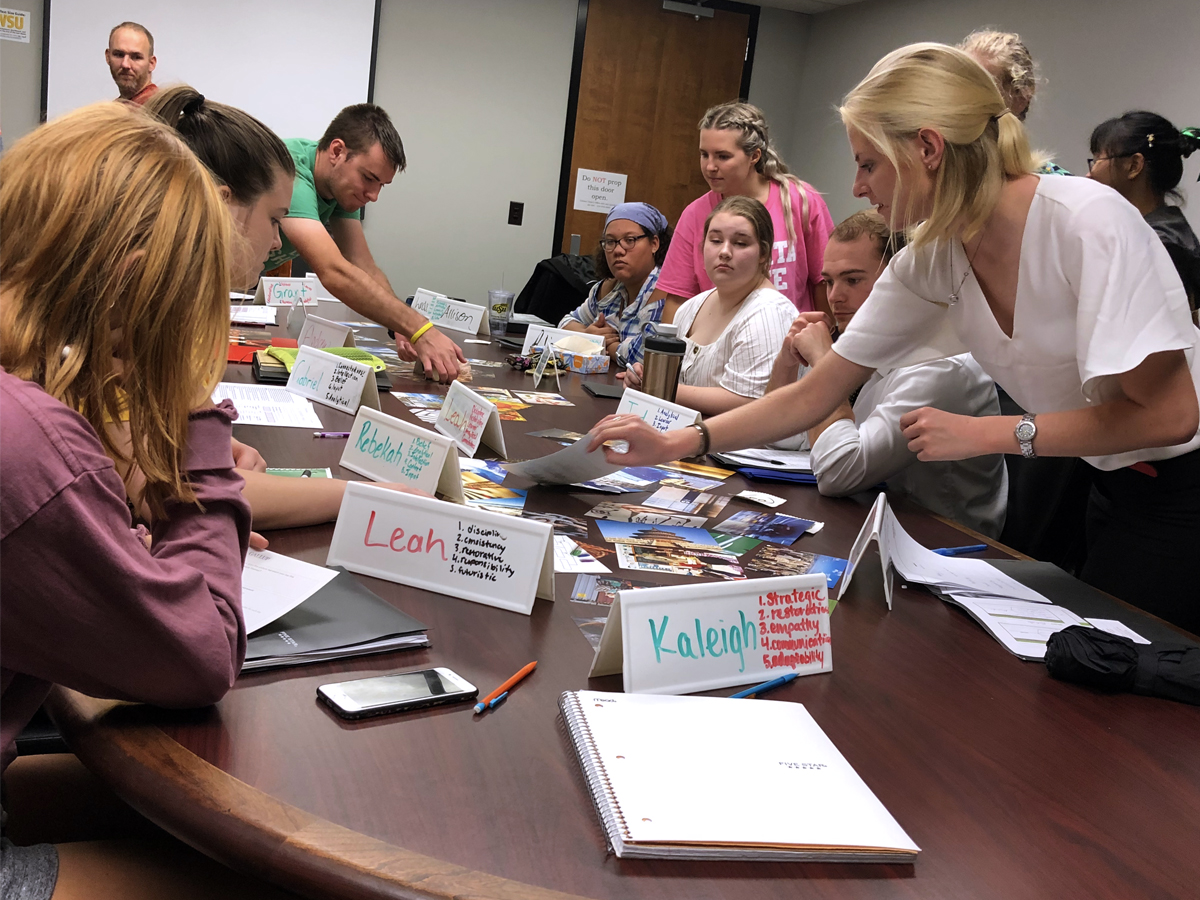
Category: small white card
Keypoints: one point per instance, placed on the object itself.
(662, 415)
(339, 383)
(470, 420)
(383, 448)
(544, 336)
(463, 551)
(285, 292)
(453, 314)
(760, 497)
(686, 638)
(318, 332)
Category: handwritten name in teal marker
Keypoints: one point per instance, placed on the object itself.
(710, 641)
(384, 451)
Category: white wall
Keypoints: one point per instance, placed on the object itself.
(1099, 58)
(21, 77)
(478, 91)
(779, 54)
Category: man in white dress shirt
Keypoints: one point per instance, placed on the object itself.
(859, 446)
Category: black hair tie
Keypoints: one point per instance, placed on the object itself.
(193, 106)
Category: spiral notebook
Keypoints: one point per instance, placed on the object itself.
(713, 778)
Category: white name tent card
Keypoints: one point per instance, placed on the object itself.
(470, 420)
(384, 448)
(285, 292)
(870, 532)
(322, 292)
(340, 383)
(685, 638)
(453, 314)
(544, 335)
(662, 415)
(318, 332)
(465, 552)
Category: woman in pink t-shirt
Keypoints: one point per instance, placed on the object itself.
(737, 159)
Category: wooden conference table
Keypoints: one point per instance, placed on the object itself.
(1013, 784)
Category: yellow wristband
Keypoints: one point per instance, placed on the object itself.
(420, 331)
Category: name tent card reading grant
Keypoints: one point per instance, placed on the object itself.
(462, 551)
(285, 292)
(685, 638)
(339, 383)
(661, 415)
(384, 448)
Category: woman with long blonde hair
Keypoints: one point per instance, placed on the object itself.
(114, 280)
(738, 159)
(1062, 292)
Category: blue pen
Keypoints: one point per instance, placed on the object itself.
(497, 701)
(764, 687)
(960, 551)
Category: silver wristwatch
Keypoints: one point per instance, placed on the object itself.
(1026, 431)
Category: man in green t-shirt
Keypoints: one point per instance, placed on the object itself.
(335, 178)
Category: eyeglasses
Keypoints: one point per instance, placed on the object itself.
(628, 242)
(1092, 160)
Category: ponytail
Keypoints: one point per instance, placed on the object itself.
(1161, 145)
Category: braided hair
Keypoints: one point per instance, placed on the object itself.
(1161, 144)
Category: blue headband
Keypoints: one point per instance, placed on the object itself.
(642, 213)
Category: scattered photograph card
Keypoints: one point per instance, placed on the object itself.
(570, 557)
(697, 469)
(545, 398)
(646, 515)
(674, 560)
(511, 415)
(421, 401)
(491, 469)
(601, 590)
(735, 543)
(493, 394)
(486, 363)
(688, 502)
(568, 526)
(774, 560)
(428, 416)
(766, 526)
(655, 535)
(761, 497)
(689, 482)
(592, 627)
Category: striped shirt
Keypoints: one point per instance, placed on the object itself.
(740, 359)
(629, 319)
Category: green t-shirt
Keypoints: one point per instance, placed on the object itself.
(306, 202)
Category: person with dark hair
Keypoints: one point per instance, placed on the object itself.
(1140, 155)
(336, 177)
(131, 60)
(858, 447)
(620, 306)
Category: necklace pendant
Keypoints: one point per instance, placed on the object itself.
(953, 299)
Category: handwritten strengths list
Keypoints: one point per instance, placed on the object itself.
(480, 552)
(787, 633)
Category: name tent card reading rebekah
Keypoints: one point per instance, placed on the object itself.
(383, 448)
(453, 314)
(686, 638)
(470, 420)
(339, 383)
(318, 332)
(285, 292)
(662, 415)
(462, 551)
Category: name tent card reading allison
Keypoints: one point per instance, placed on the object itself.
(318, 332)
(339, 383)
(470, 420)
(285, 292)
(462, 551)
(686, 638)
(453, 314)
(662, 415)
(384, 448)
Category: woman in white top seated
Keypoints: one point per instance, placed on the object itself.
(734, 330)
(858, 447)
(1060, 290)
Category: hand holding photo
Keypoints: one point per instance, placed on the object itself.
(766, 526)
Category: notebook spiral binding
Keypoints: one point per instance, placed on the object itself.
(600, 787)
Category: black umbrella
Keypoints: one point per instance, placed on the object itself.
(1111, 663)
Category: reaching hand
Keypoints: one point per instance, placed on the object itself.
(811, 342)
(258, 542)
(439, 355)
(405, 350)
(936, 435)
(646, 446)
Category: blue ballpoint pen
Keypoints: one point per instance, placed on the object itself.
(497, 701)
(960, 551)
(764, 687)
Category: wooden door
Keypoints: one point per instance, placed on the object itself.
(646, 78)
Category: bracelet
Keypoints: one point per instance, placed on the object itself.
(705, 438)
(420, 331)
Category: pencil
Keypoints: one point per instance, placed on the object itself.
(482, 704)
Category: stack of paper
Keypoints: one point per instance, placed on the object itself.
(766, 458)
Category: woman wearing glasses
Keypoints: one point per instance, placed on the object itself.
(620, 305)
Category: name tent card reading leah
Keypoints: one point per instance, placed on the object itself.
(470, 420)
(384, 448)
(453, 314)
(662, 415)
(285, 292)
(318, 332)
(686, 638)
(462, 551)
(339, 383)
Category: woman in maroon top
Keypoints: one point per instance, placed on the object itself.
(114, 276)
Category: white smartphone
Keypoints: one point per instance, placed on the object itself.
(396, 693)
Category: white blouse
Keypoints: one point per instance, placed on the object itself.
(740, 359)
(1096, 294)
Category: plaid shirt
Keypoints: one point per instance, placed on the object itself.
(629, 319)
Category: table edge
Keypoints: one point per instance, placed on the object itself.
(249, 830)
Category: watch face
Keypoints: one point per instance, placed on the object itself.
(1026, 431)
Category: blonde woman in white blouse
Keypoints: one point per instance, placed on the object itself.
(1059, 289)
(733, 331)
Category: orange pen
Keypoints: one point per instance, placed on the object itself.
(504, 688)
